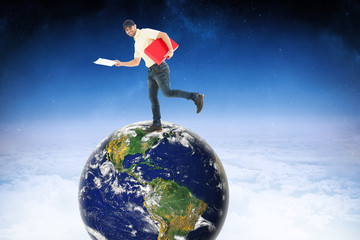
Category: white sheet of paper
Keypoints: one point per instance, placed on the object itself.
(105, 62)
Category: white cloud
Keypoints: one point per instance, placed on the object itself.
(291, 188)
(40, 207)
(281, 186)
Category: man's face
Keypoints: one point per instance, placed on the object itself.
(131, 31)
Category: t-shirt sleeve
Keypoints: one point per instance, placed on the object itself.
(137, 54)
(147, 36)
(150, 33)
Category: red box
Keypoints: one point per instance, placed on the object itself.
(158, 49)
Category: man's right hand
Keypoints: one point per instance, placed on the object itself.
(133, 63)
(118, 63)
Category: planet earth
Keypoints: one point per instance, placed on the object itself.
(160, 185)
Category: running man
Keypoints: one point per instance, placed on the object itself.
(158, 75)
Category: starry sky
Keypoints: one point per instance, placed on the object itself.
(251, 59)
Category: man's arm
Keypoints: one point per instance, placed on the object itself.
(133, 63)
(167, 41)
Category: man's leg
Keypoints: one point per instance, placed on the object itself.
(153, 97)
(162, 77)
(163, 80)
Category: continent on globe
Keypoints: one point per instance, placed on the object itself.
(174, 206)
(160, 185)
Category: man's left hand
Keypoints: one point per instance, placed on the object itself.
(169, 54)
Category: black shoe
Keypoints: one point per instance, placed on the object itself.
(153, 128)
(199, 103)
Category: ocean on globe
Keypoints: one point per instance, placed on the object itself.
(160, 185)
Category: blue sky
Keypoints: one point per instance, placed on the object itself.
(249, 61)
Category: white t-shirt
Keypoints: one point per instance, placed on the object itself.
(143, 38)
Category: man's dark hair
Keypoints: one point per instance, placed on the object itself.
(128, 23)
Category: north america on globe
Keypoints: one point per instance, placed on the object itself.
(160, 185)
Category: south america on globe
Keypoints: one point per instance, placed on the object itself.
(161, 185)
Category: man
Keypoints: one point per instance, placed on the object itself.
(158, 75)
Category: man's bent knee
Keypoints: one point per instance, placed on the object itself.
(168, 93)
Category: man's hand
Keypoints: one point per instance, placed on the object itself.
(133, 63)
(118, 63)
(167, 41)
(169, 54)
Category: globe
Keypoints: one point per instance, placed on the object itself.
(159, 185)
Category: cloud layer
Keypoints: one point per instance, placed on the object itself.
(282, 186)
(291, 188)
